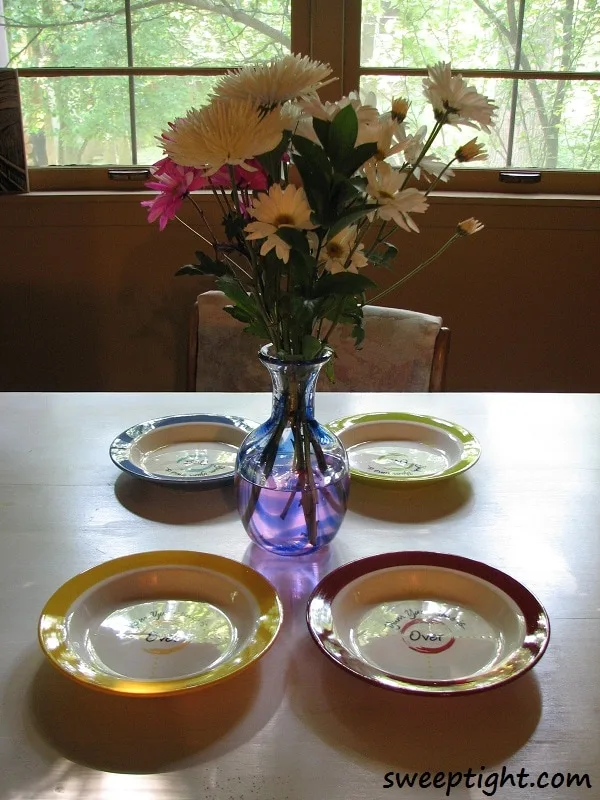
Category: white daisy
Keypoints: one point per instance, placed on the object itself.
(430, 164)
(223, 132)
(366, 114)
(394, 203)
(275, 82)
(279, 208)
(338, 253)
(389, 137)
(454, 102)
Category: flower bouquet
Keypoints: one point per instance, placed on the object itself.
(310, 193)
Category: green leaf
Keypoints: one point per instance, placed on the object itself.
(295, 238)
(316, 172)
(358, 212)
(358, 334)
(315, 154)
(329, 370)
(234, 226)
(346, 310)
(301, 311)
(271, 161)
(343, 192)
(258, 328)
(342, 283)
(385, 258)
(190, 269)
(238, 313)
(357, 158)
(321, 128)
(232, 289)
(206, 266)
(342, 135)
(311, 346)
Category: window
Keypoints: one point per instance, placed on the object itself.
(100, 79)
(538, 60)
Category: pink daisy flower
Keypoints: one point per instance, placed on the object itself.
(173, 183)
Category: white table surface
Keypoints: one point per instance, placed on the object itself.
(294, 726)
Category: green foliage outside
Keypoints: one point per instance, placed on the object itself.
(88, 120)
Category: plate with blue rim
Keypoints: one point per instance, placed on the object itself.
(185, 449)
(394, 447)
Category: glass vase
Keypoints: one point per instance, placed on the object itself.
(292, 476)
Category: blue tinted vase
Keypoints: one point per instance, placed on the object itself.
(292, 476)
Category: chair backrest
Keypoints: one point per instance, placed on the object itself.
(403, 351)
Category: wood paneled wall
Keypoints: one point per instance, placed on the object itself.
(90, 301)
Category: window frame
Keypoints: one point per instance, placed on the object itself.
(311, 37)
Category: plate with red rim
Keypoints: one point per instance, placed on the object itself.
(159, 623)
(398, 448)
(428, 623)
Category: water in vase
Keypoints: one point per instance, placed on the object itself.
(276, 519)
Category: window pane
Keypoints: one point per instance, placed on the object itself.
(160, 100)
(65, 34)
(185, 36)
(74, 121)
(561, 35)
(558, 125)
(420, 113)
(415, 33)
(87, 120)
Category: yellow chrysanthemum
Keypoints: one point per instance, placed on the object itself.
(279, 208)
(288, 78)
(223, 132)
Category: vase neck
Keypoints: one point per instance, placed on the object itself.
(294, 384)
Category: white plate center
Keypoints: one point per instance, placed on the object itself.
(427, 639)
(191, 459)
(398, 458)
(161, 640)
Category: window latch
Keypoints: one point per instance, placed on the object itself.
(142, 174)
(520, 177)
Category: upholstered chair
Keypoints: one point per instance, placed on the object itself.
(403, 351)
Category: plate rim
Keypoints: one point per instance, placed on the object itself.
(471, 445)
(124, 439)
(537, 620)
(54, 617)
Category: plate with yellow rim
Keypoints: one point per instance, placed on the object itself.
(401, 448)
(428, 623)
(160, 623)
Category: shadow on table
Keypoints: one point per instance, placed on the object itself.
(147, 735)
(294, 577)
(404, 732)
(173, 505)
(416, 504)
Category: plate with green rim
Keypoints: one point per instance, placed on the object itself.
(396, 447)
